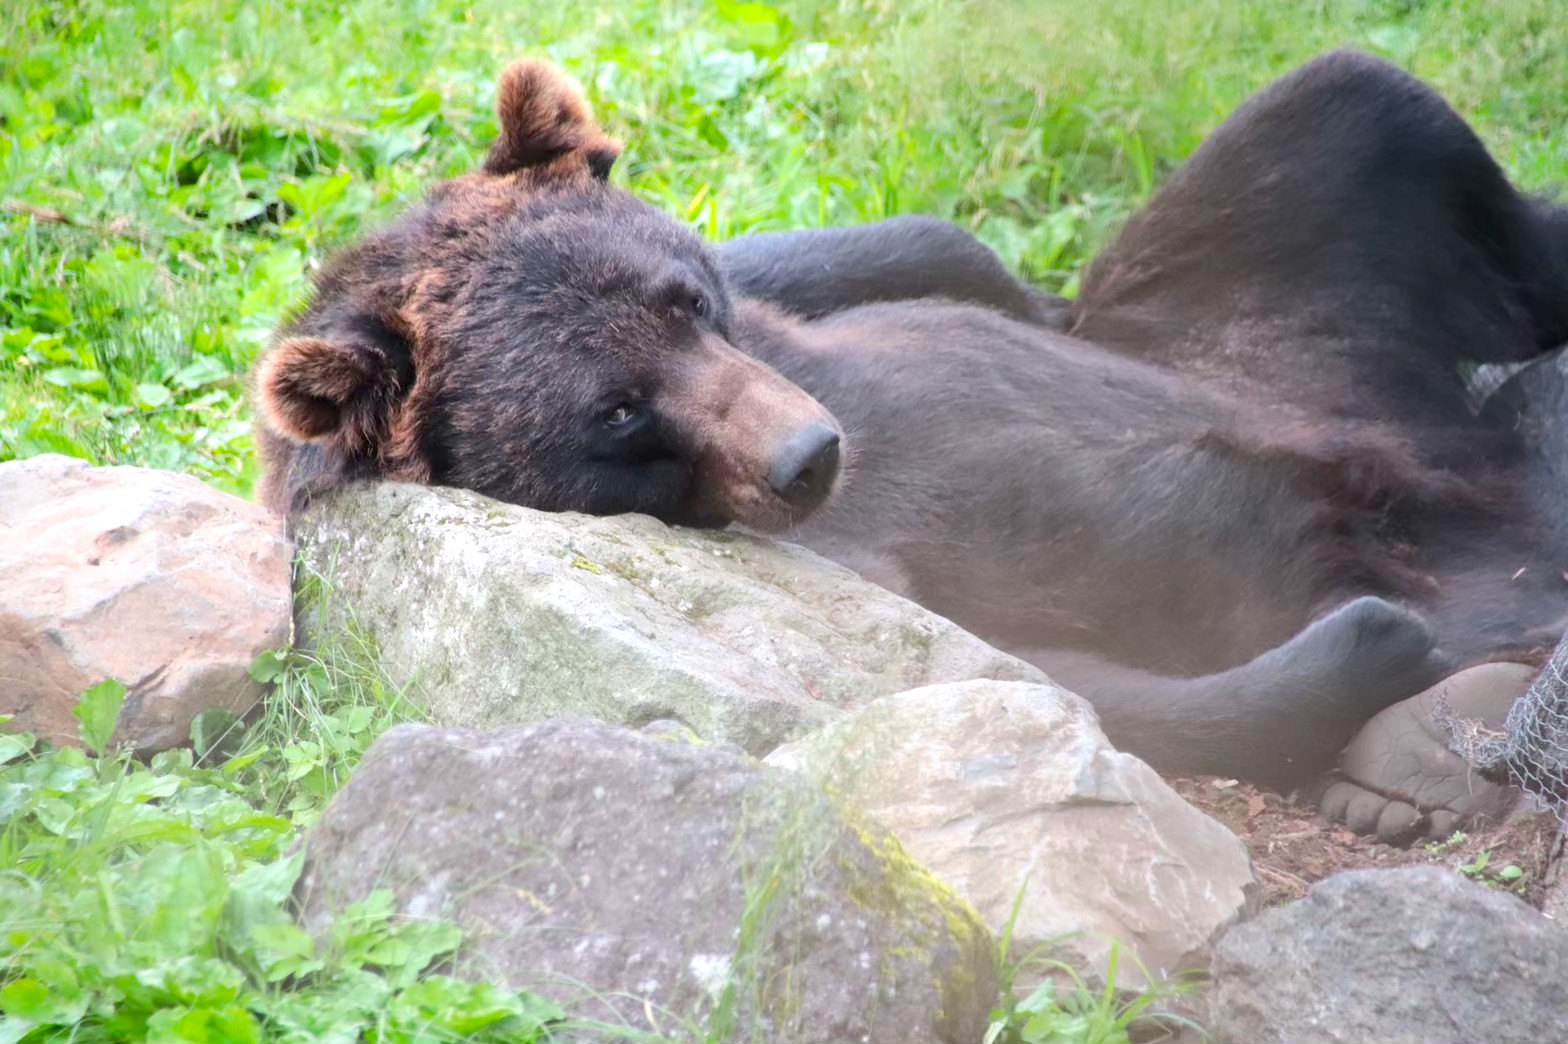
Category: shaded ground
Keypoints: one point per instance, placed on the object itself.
(1292, 846)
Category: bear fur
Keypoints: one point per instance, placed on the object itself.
(1194, 495)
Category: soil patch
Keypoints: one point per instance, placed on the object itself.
(1292, 846)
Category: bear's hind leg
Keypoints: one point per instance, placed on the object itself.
(1275, 720)
(1344, 211)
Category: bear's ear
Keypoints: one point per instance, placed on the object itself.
(544, 116)
(342, 391)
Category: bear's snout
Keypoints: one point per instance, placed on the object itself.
(764, 453)
(806, 466)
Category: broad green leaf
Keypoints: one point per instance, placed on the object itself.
(99, 711)
(174, 898)
(197, 982)
(302, 759)
(761, 27)
(357, 719)
(337, 1012)
(270, 665)
(27, 998)
(152, 396)
(54, 814)
(14, 744)
(410, 108)
(12, 797)
(414, 946)
(235, 765)
(256, 898)
(283, 950)
(285, 940)
(157, 831)
(172, 762)
(226, 1025)
(202, 370)
(77, 378)
(464, 1008)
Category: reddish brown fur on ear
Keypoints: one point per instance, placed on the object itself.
(316, 390)
(544, 116)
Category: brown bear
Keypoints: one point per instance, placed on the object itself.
(1204, 549)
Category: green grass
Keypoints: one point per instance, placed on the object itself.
(1064, 1009)
(151, 901)
(172, 170)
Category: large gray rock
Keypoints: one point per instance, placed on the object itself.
(1411, 956)
(505, 615)
(1005, 788)
(153, 579)
(624, 874)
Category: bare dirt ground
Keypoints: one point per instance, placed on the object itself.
(1292, 846)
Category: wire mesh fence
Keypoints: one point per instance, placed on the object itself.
(1531, 750)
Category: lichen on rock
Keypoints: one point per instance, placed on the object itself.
(507, 615)
(623, 874)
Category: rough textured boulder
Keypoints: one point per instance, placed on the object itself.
(1554, 904)
(623, 874)
(505, 615)
(147, 577)
(1005, 787)
(1412, 956)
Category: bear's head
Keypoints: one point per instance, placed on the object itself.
(536, 335)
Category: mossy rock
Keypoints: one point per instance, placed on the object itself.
(500, 615)
(623, 874)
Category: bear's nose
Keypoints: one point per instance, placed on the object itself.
(805, 467)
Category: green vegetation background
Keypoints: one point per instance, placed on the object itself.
(171, 171)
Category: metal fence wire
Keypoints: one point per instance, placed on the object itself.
(1531, 751)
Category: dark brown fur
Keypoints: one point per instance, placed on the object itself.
(544, 119)
(1188, 496)
(408, 363)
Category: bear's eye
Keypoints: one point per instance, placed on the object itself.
(621, 415)
(699, 305)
